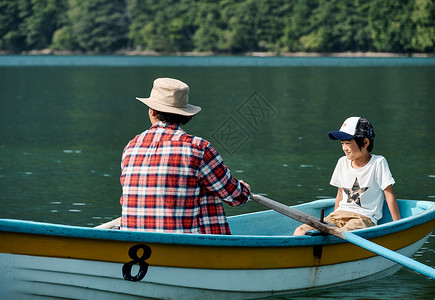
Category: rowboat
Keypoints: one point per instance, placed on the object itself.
(259, 259)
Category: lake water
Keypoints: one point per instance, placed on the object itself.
(64, 122)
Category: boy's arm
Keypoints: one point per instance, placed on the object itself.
(392, 202)
(338, 198)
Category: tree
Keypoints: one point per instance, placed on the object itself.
(272, 15)
(362, 40)
(139, 13)
(391, 25)
(230, 26)
(11, 38)
(43, 18)
(332, 26)
(296, 29)
(29, 24)
(242, 30)
(165, 25)
(423, 17)
(99, 25)
(208, 27)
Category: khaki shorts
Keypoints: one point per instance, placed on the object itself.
(345, 220)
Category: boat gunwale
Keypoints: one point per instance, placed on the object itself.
(41, 228)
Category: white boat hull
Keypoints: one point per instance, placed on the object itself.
(22, 277)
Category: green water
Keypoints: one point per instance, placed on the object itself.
(63, 128)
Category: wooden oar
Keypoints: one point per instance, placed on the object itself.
(109, 225)
(345, 235)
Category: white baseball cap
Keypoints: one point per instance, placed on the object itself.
(354, 127)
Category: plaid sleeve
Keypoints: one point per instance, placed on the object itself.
(217, 178)
(124, 162)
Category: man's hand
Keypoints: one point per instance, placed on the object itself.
(247, 185)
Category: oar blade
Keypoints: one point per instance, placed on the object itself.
(391, 255)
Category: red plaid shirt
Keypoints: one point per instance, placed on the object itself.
(174, 182)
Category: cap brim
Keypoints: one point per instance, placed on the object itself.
(340, 135)
(188, 110)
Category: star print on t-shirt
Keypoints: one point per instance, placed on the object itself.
(354, 194)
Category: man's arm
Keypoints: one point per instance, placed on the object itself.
(217, 178)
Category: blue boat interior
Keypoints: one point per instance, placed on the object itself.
(271, 223)
(265, 228)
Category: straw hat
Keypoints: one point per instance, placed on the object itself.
(171, 96)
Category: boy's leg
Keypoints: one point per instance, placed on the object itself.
(337, 218)
(349, 220)
(358, 222)
(301, 230)
(343, 219)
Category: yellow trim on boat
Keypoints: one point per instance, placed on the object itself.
(207, 257)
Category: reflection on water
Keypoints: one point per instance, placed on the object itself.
(65, 121)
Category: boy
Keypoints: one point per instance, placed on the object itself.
(362, 179)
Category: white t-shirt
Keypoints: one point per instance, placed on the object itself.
(363, 189)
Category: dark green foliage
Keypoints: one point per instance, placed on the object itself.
(223, 26)
(391, 25)
(423, 18)
(11, 37)
(162, 25)
(208, 27)
(98, 25)
(29, 24)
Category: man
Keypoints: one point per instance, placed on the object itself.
(172, 181)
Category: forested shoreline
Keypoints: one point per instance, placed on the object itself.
(219, 27)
